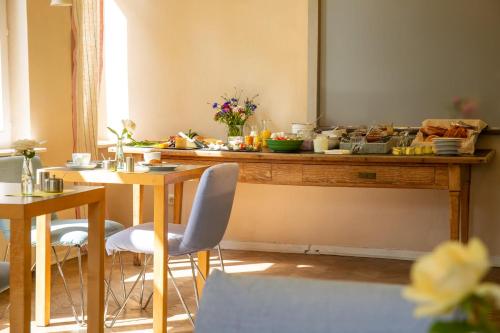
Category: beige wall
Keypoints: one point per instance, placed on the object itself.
(183, 54)
(49, 45)
(40, 68)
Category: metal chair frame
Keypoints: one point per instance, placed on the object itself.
(141, 278)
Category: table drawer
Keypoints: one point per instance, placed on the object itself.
(377, 175)
(255, 172)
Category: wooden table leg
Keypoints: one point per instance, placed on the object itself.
(20, 275)
(160, 291)
(178, 194)
(43, 256)
(464, 205)
(95, 271)
(455, 184)
(137, 209)
(204, 264)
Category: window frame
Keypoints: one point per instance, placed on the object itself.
(5, 132)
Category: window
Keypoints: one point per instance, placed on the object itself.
(4, 105)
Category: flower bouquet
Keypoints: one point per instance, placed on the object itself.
(446, 284)
(234, 112)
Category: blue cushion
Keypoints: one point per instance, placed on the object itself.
(140, 239)
(248, 304)
(71, 232)
(74, 232)
(5, 226)
(4, 276)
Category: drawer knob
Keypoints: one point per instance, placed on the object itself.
(367, 175)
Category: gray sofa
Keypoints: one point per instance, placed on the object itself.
(250, 304)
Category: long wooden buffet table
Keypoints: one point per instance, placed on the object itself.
(452, 174)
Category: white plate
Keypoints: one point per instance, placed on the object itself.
(75, 166)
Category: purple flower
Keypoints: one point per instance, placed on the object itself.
(215, 105)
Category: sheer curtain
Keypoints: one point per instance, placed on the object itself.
(87, 27)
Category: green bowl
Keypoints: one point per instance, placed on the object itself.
(284, 146)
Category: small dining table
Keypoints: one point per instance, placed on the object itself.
(159, 180)
(20, 210)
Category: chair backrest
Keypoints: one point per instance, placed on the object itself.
(248, 304)
(211, 207)
(11, 168)
(10, 172)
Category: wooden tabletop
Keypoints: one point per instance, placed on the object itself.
(10, 194)
(481, 156)
(181, 173)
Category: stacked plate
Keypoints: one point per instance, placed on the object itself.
(447, 146)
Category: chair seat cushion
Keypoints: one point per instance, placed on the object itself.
(4, 276)
(140, 239)
(74, 232)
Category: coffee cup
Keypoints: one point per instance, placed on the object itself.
(81, 158)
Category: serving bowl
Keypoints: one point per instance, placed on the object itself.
(284, 146)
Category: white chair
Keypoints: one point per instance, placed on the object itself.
(204, 231)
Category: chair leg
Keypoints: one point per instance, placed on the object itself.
(221, 260)
(124, 290)
(127, 295)
(147, 301)
(184, 305)
(195, 285)
(5, 311)
(7, 248)
(59, 268)
(109, 290)
(82, 296)
(143, 282)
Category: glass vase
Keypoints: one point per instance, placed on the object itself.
(234, 136)
(234, 130)
(27, 180)
(119, 155)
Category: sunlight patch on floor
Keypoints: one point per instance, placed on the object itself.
(186, 273)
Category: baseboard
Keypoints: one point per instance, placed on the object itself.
(331, 250)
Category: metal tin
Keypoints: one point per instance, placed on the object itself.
(109, 165)
(40, 178)
(54, 185)
(129, 164)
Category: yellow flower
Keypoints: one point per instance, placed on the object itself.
(442, 279)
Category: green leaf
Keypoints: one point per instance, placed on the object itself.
(456, 327)
(113, 131)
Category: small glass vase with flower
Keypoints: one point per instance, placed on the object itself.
(26, 148)
(125, 134)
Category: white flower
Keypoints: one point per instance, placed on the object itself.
(129, 125)
(23, 145)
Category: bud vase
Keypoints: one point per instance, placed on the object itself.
(120, 156)
(27, 181)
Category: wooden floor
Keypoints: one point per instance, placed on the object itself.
(237, 262)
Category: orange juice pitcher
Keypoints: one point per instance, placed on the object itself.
(265, 133)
